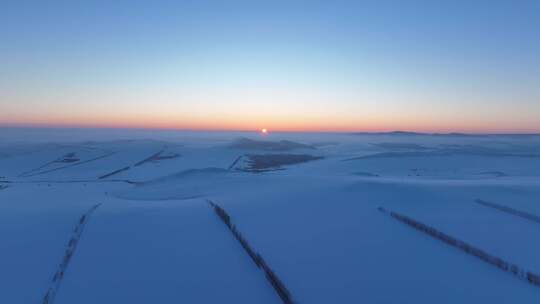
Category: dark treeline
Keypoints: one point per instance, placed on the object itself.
(70, 249)
(276, 283)
(114, 172)
(38, 171)
(149, 158)
(523, 214)
(156, 157)
(484, 256)
(235, 162)
(257, 163)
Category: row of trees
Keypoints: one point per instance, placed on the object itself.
(523, 214)
(469, 249)
(271, 276)
(70, 249)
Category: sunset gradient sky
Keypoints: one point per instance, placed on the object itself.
(465, 66)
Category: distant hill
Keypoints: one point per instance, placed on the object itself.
(451, 134)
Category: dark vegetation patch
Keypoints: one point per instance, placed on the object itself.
(467, 248)
(271, 276)
(272, 162)
(68, 158)
(164, 156)
(282, 145)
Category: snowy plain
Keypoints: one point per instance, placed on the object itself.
(307, 202)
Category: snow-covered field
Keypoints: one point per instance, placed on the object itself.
(307, 203)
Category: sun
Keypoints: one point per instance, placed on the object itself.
(264, 131)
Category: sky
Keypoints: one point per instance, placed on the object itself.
(433, 66)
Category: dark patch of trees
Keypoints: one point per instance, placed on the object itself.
(68, 158)
(271, 276)
(467, 248)
(271, 162)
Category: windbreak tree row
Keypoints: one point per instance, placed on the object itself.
(70, 250)
(271, 276)
(528, 216)
(467, 248)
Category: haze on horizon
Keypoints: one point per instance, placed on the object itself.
(430, 66)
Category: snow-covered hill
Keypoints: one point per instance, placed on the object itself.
(306, 203)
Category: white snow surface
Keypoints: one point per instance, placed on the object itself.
(155, 239)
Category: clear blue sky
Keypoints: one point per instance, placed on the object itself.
(293, 65)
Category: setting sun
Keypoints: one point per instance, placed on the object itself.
(264, 131)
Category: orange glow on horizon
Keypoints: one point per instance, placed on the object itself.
(291, 123)
(277, 126)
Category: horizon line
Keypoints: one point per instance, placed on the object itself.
(357, 132)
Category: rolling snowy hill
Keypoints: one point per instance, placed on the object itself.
(307, 204)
